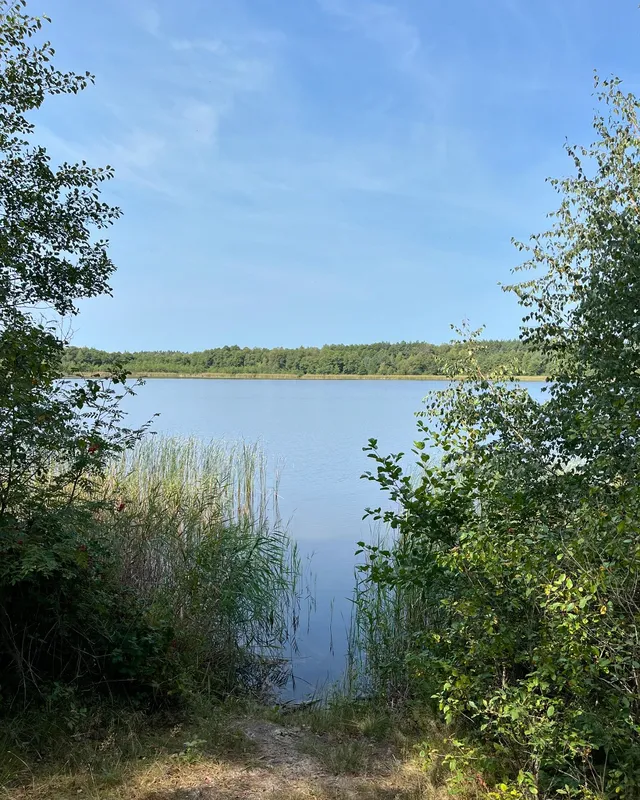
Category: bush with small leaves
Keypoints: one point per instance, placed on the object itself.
(515, 570)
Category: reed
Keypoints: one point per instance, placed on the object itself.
(385, 622)
(379, 635)
(201, 544)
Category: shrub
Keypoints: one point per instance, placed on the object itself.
(519, 547)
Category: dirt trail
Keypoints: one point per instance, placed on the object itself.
(283, 767)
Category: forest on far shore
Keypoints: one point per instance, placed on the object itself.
(381, 358)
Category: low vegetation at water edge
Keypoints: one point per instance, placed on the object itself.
(170, 579)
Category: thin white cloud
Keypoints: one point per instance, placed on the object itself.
(209, 76)
(135, 155)
(201, 121)
(401, 42)
(211, 45)
(235, 64)
(213, 80)
(137, 150)
(148, 18)
(195, 82)
(381, 23)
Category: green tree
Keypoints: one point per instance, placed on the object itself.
(584, 311)
(413, 358)
(57, 606)
(520, 547)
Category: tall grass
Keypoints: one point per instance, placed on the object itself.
(200, 542)
(386, 620)
(381, 629)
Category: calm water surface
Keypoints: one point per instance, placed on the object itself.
(314, 430)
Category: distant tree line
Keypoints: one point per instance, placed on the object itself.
(382, 358)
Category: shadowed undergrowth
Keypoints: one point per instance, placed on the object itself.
(234, 750)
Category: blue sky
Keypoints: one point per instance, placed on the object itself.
(297, 172)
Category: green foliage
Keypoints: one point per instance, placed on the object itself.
(404, 358)
(58, 612)
(167, 580)
(135, 579)
(513, 578)
(49, 215)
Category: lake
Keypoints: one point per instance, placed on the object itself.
(314, 431)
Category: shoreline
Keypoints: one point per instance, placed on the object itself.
(285, 377)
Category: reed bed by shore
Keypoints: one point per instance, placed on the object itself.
(201, 542)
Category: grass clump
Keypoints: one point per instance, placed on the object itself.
(200, 550)
(349, 757)
(341, 715)
(116, 752)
